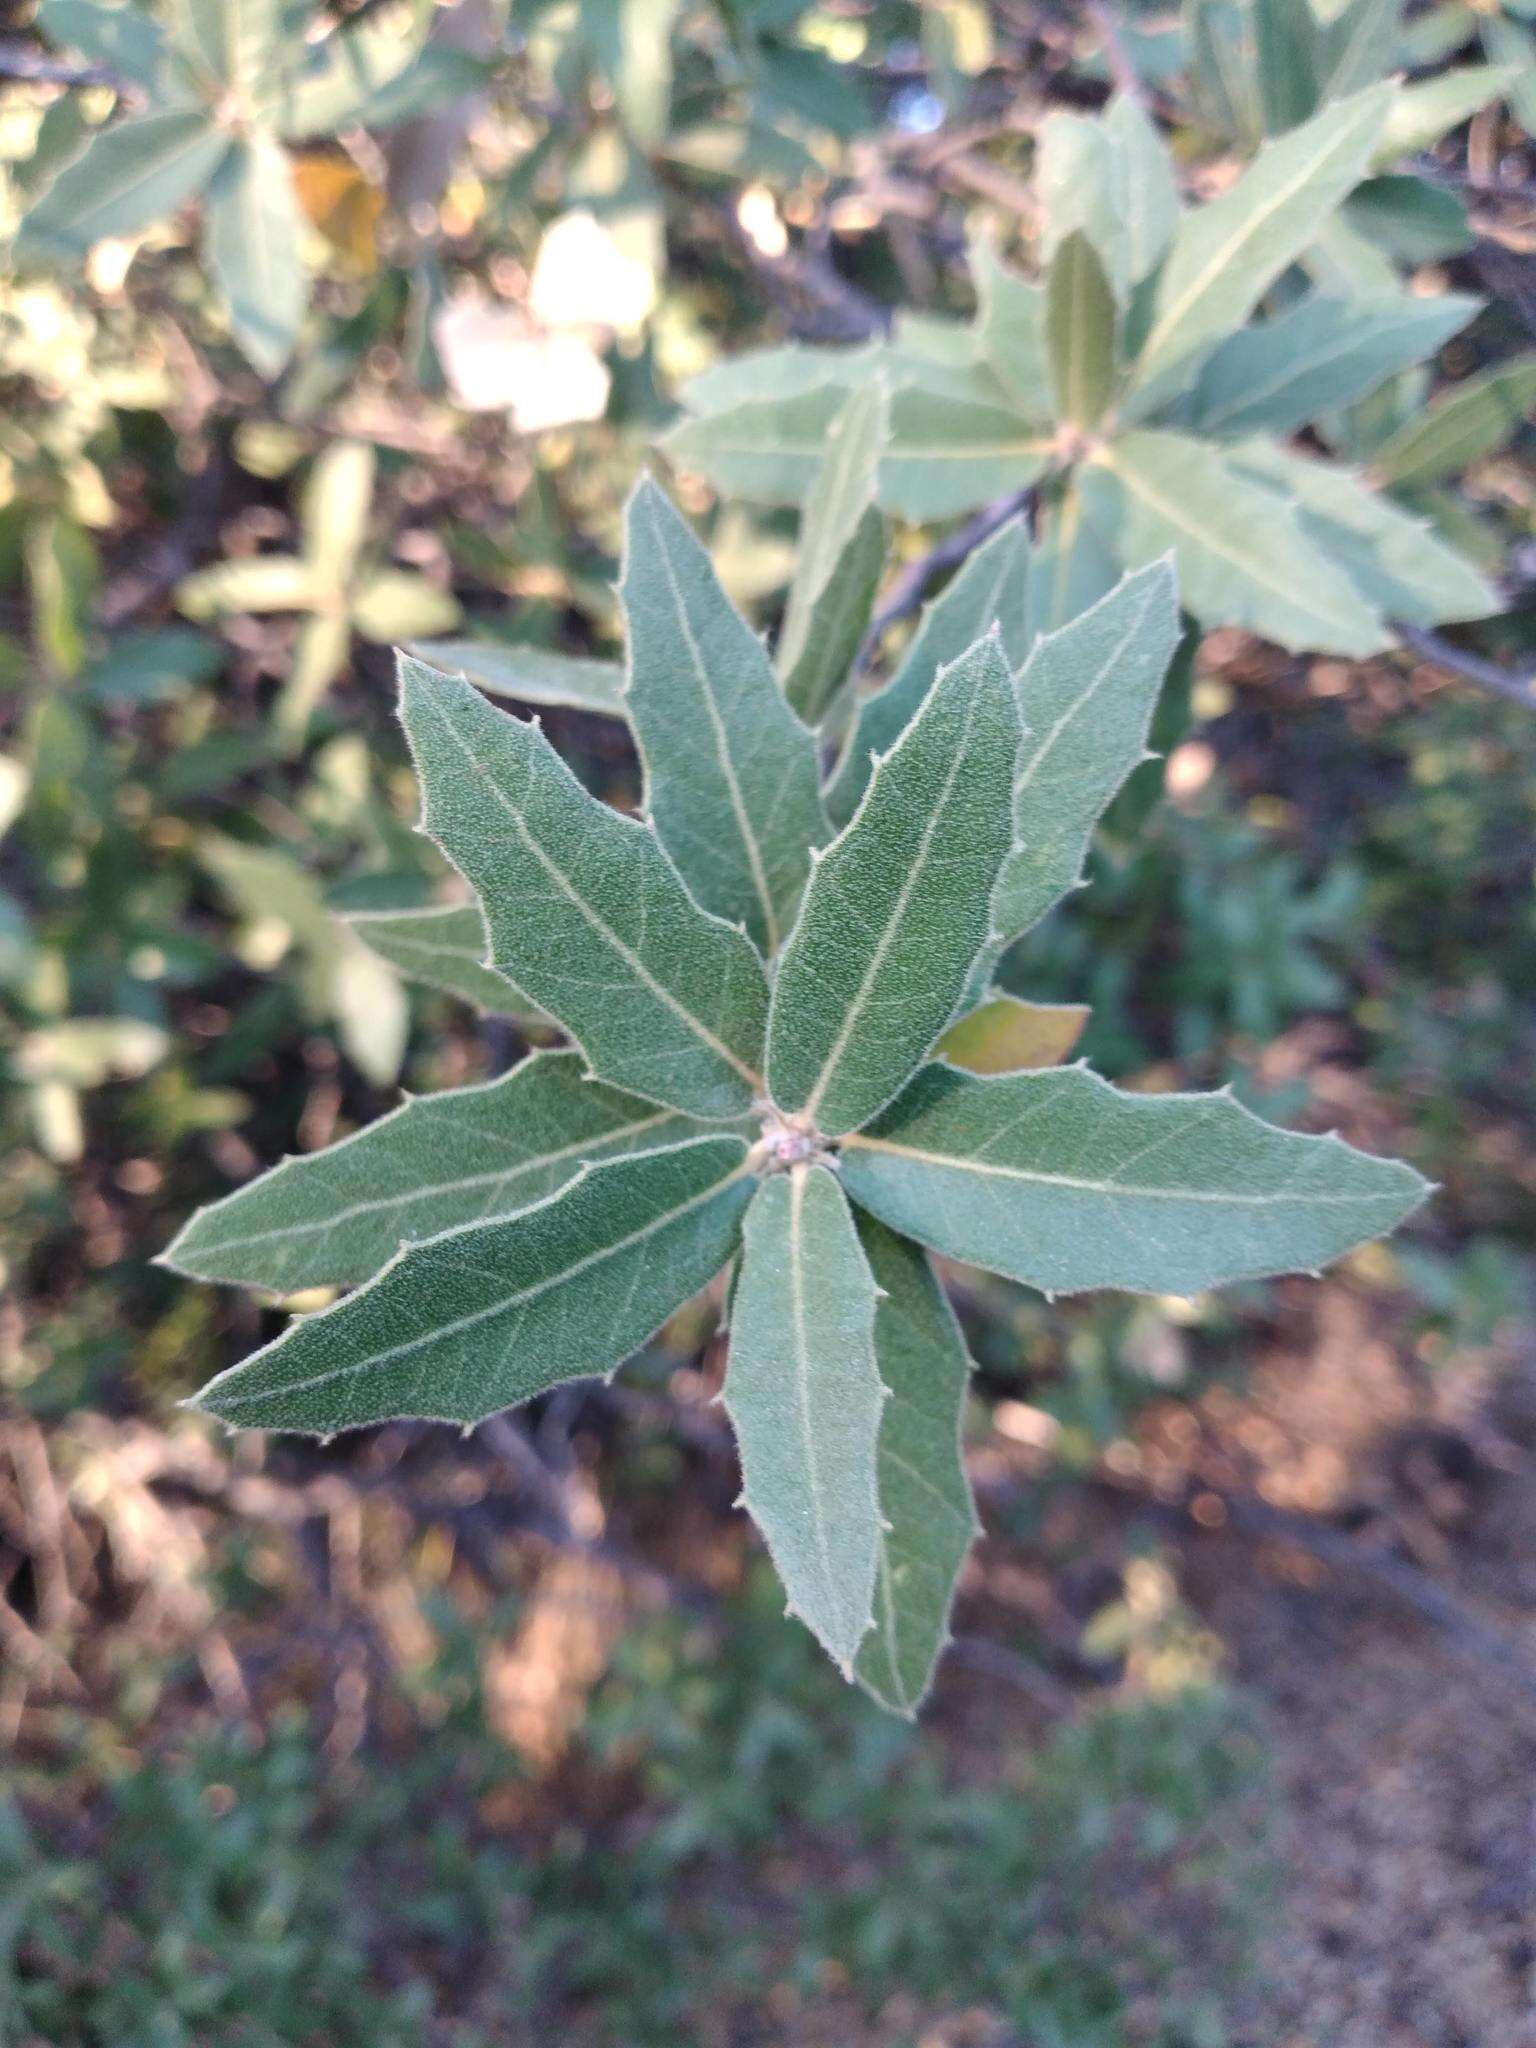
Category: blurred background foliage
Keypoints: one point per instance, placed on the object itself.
(504, 1741)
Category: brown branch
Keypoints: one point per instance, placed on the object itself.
(1473, 668)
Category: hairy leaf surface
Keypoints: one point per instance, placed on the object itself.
(443, 946)
(333, 1218)
(925, 1497)
(585, 912)
(533, 675)
(1058, 1180)
(465, 1324)
(896, 909)
(804, 1397)
(731, 773)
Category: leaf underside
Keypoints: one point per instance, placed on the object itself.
(443, 946)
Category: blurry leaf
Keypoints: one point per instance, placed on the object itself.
(587, 274)
(1358, 46)
(62, 574)
(15, 781)
(334, 509)
(1004, 1034)
(85, 1052)
(1080, 331)
(251, 583)
(804, 1396)
(1459, 429)
(731, 775)
(125, 41)
(1225, 255)
(253, 235)
(319, 655)
(584, 910)
(153, 666)
(1394, 559)
(443, 946)
(896, 910)
(130, 176)
(242, 40)
(1241, 559)
(928, 1521)
(395, 605)
(346, 208)
(991, 588)
(1073, 567)
(840, 559)
(633, 42)
(1059, 1181)
(373, 1018)
(1429, 108)
(1408, 219)
(333, 1218)
(1110, 179)
(370, 74)
(1513, 47)
(533, 675)
(1323, 353)
(471, 1321)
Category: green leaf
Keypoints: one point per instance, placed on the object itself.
(533, 675)
(730, 772)
(1058, 1180)
(896, 910)
(947, 452)
(1080, 324)
(438, 1162)
(1407, 220)
(1324, 353)
(131, 175)
(789, 371)
(334, 509)
(585, 911)
(1511, 45)
(841, 556)
(122, 40)
(1010, 331)
(1358, 46)
(444, 946)
(251, 583)
(1073, 569)
(1242, 559)
(467, 1323)
(991, 588)
(1004, 1034)
(1429, 108)
(633, 41)
(240, 41)
(1471, 421)
(925, 1497)
(254, 241)
(340, 76)
(393, 606)
(804, 1397)
(1395, 560)
(1226, 255)
(1110, 180)
(1086, 696)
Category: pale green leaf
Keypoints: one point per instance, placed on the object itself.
(1086, 696)
(1242, 559)
(371, 1010)
(1429, 108)
(1004, 1034)
(239, 42)
(340, 76)
(925, 1497)
(254, 242)
(1469, 422)
(439, 1162)
(1058, 1180)
(585, 912)
(1010, 330)
(730, 772)
(532, 675)
(991, 588)
(251, 583)
(334, 509)
(1512, 45)
(443, 946)
(947, 452)
(1358, 46)
(320, 653)
(1080, 324)
(130, 176)
(841, 555)
(1226, 254)
(897, 908)
(1396, 560)
(763, 375)
(804, 1397)
(1108, 178)
(393, 606)
(462, 1325)
(124, 41)
(1326, 352)
(1073, 569)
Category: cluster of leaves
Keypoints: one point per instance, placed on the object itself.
(1133, 392)
(223, 94)
(755, 999)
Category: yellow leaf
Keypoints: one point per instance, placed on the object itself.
(1004, 1034)
(343, 205)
